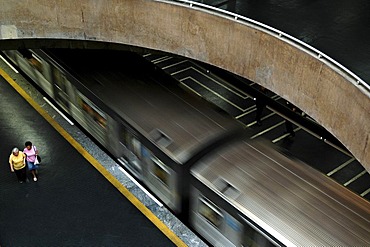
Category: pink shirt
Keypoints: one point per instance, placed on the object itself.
(31, 154)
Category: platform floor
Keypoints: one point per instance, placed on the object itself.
(82, 198)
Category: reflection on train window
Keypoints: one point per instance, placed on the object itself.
(93, 111)
(210, 212)
(160, 171)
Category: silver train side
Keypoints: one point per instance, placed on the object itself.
(232, 191)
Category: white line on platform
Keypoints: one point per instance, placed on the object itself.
(14, 69)
(140, 186)
(69, 121)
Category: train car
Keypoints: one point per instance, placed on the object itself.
(199, 162)
(250, 194)
(152, 126)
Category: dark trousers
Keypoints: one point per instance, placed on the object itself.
(260, 105)
(289, 127)
(21, 174)
(259, 111)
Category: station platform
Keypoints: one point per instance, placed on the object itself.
(82, 197)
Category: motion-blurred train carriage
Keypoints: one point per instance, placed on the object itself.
(250, 194)
(193, 157)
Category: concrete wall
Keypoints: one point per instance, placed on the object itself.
(326, 95)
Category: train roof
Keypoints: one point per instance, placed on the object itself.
(292, 201)
(179, 123)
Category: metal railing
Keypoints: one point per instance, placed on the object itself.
(352, 77)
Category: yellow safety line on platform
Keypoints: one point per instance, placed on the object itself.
(159, 224)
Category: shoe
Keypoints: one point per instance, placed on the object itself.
(35, 179)
(21, 182)
(291, 134)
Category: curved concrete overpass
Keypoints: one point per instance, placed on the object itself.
(328, 95)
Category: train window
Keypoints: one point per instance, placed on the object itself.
(160, 171)
(136, 147)
(125, 137)
(131, 142)
(36, 62)
(32, 59)
(93, 111)
(254, 237)
(210, 212)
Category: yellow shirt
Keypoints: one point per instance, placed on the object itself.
(17, 161)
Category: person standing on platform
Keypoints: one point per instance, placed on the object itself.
(260, 105)
(288, 124)
(31, 153)
(17, 162)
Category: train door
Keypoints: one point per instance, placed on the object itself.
(213, 222)
(132, 153)
(60, 86)
(161, 179)
(154, 173)
(92, 118)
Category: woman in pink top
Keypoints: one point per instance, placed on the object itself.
(31, 152)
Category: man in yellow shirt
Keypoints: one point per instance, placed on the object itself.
(17, 162)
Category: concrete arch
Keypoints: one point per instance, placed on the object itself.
(327, 95)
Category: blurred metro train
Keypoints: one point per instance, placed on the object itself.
(195, 158)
